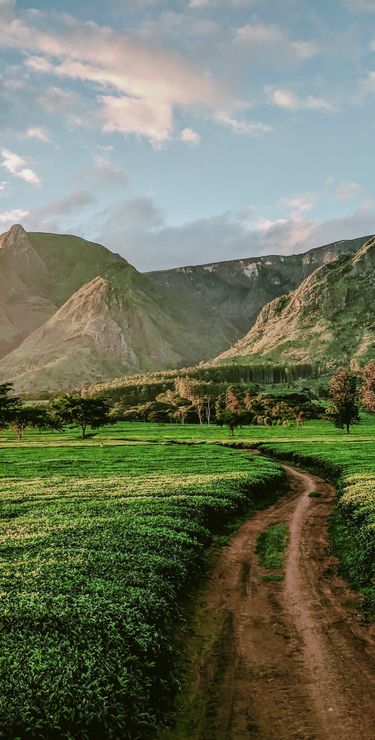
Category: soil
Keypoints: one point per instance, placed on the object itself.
(279, 660)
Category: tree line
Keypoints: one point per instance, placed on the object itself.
(65, 410)
(189, 400)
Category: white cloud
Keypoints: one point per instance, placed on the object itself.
(133, 116)
(256, 128)
(271, 40)
(188, 136)
(316, 103)
(37, 132)
(8, 218)
(348, 189)
(4, 184)
(109, 172)
(299, 204)
(284, 98)
(142, 83)
(17, 166)
(200, 3)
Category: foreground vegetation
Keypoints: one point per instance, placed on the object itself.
(99, 546)
(101, 541)
(352, 530)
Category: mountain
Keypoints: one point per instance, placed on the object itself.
(101, 331)
(74, 312)
(38, 273)
(328, 319)
(238, 289)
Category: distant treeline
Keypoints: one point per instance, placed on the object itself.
(144, 387)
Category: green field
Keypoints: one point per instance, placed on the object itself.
(101, 543)
(136, 431)
(99, 548)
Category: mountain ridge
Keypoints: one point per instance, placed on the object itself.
(328, 318)
(238, 289)
(73, 312)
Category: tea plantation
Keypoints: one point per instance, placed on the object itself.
(101, 544)
(98, 547)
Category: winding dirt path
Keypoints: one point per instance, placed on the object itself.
(280, 660)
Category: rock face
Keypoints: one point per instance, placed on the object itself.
(237, 290)
(329, 318)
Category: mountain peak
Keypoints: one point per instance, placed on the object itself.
(16, 229)
(366, 252)
(14, 236)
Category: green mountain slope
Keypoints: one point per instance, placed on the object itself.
(115, 321)
(72, 312)
(107, 327)
(38, 273)
(329, 318)
(238, 289)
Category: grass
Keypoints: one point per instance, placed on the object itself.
(269, 577)
(99, 546)
(140, 432)
(271, 546)
(101, 541)
(352, 528)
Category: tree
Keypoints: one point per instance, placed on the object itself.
(8, 404)
(344, 409)
(23, 417)
(81, 412)
(232, 402)
(191, 390)
(368, 387)
(231, 419)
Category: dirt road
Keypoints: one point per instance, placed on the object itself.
(280, 660)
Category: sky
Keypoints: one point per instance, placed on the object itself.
(189, 131)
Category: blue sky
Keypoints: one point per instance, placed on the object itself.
(189, 131)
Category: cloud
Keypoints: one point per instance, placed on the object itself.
(142, 83)
(132, 116)
(17, 167)
(139, 231)
(244, 127)
(68, 204)
(358, 6)
(299, 204)
(103, 173)
(348, 189)
(271, 39)
(37, 132)
(200, 3)
(61, 215)
(284, 98)
(8, 218)
(188, 136)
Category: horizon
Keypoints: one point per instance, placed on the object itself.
(188, 132)
(198, 264)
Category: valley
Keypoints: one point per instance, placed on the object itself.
(187, 499)
(187, 370)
